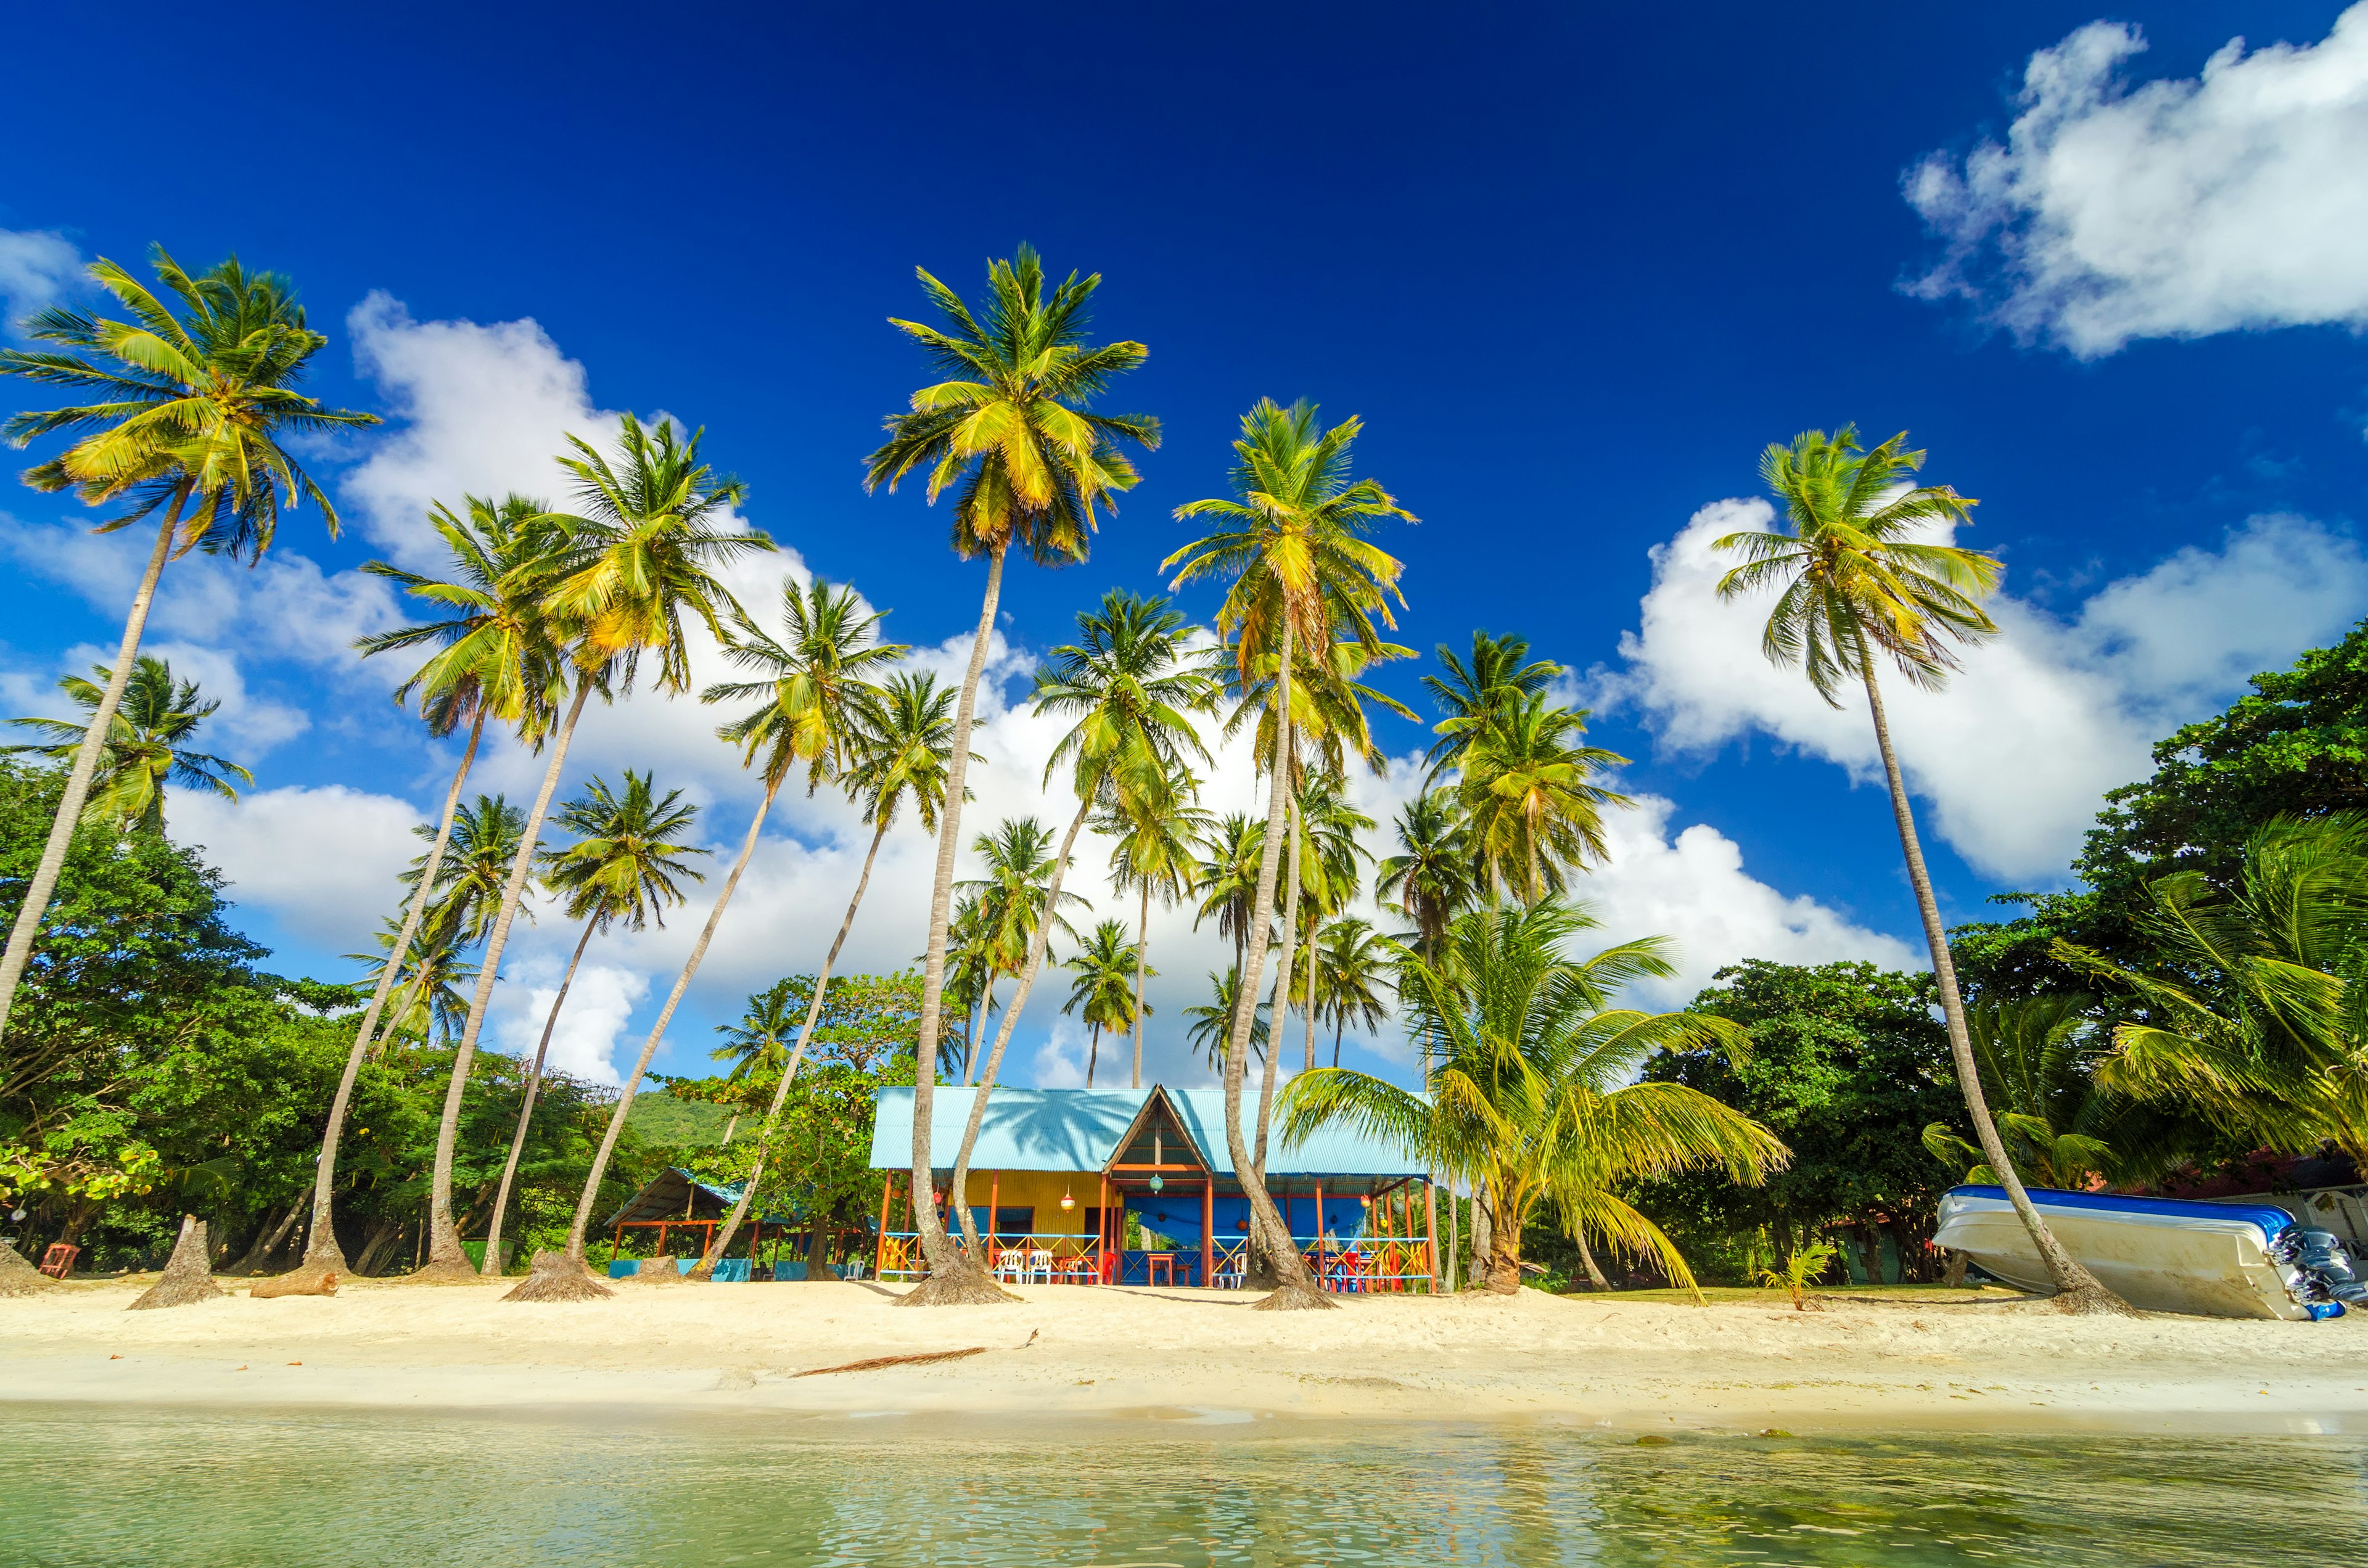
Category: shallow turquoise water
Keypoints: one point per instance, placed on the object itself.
(91, 1485)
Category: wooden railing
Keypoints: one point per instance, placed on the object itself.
(1066, 1259)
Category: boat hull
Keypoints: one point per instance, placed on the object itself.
(2159, 1255)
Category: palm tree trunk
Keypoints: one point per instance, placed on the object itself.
(51, 864)
(1093, 1051)
(724, 1233)
(444, 1257)
(322, 1253)
(1296, 1289)
(1142, 958)
(493, 1266)
(2076, 1288)
(953, 1278)
(1307, 1009)
(959, 1191)
(1587, 1261)
(1339, 1023)
(657, 1030)
(1279, 1014)
(970, 1057)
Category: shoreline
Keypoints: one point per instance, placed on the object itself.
(1185, 1360)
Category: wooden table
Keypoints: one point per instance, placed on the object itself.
(1154, 1264)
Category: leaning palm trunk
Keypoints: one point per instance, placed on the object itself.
(51, 864)
(706, 1269)
(322, 1253)
(958, 1192)
(1296, 1289)
(492, 1266)
(1142, 958)
(954, 1278)
(657, 1030)
(445, 1259)
(1279, 1016)
(2077, 1290)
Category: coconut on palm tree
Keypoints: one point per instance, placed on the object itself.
(189, 412)
(147, 745)
(881, 737)
(493, 659)
(626, 868)
(1008, 433)
(654, 526)
(1859, 582)
(1529, 1087)
(1302, 575)
(1156, 837)
(1103, 993)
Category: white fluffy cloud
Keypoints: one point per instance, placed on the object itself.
(2176, 208)
(601, 1004)
(2012, 757)
(36, 266)
(320, 860)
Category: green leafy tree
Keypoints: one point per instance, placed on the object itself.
(146, 746)
(1856, 585)
(1009, 431)
(191, 408)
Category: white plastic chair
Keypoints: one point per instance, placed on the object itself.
(1039, 1266)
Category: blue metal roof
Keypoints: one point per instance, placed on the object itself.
(1078, 1129)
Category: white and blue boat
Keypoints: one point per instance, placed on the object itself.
(2163, 1254)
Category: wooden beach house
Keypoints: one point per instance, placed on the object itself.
(1057, 1174)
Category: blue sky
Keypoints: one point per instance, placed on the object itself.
(1574, 270)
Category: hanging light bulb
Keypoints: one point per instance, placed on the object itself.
(1364, 1201)
(1157, 1185)
(1068, 1202)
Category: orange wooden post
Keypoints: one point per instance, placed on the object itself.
(1431, 1231)
(880, 1249)
(1208, 1233)
(1319, 1235)
(994, 1194)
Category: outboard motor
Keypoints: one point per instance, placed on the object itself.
(2321, 1255)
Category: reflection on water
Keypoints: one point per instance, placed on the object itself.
(110, 1486)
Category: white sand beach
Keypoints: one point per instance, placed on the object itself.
(1987, 1359)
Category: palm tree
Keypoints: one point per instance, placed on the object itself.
(1530, 1096)
(1329, 882)
(431, 972)
(1227, 880)
(758, 1044)
(1430, 881)
(1133, 682)
(145, 745)
(881, 742)
(494, 660)
(190, 413)
(970, 983)
(2258, 1017)
(1211, 1024)
(1502, 671)
(1302, 574)
(2038, 1058)
(1009, 434)
(467, 891)
(1105, 968)
(1353, 964)
(1522, 780)
(653, 525)
(1855, 584)
(1156, 835)
(625, 867)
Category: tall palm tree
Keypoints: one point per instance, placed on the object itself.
(1353, 965)
(1156, 836)
(1329, 883)
(1103, 992)
(2038, 1057)
(1226, 880)
(493, 659)
(758, 1045)
(1857, 585)
(1500, 671)
(653, 524)
(626, 867)
(146, 746)
(1430, 879)
(1529, 1070)
(1210, 1026)
(970, 984)
(881, 737)
(1133, 681)
(431, 971)
(466, 893)
(1530, 812)
(191, 411)
(1290, 542)
(1009, 433)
